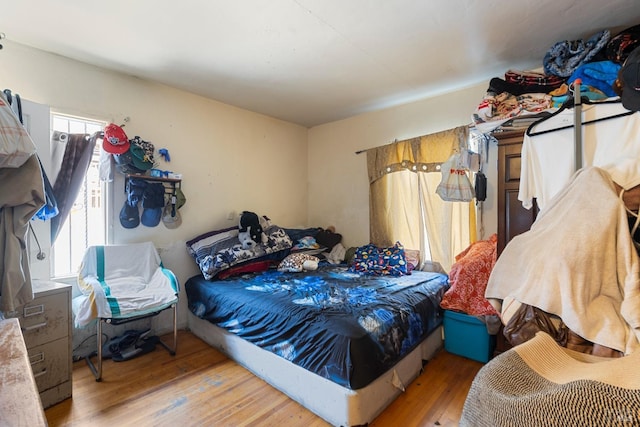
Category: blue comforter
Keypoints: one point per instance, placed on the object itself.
(347, 327)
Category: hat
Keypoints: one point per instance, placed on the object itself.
(114, 141)
(142, 153)
(139, 159)
(630, 80)
(171, 216)
(180, 198)
(129, 215)
(152, 204)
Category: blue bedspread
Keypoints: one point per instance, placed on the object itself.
(346, 327)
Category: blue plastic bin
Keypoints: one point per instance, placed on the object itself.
(467, 336)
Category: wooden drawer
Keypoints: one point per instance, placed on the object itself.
(50, 363)
(44, 319)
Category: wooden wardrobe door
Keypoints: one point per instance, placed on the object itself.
(513, 219)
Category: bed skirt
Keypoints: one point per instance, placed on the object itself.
(337, 405)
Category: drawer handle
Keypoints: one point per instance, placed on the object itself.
(33, 310)
(36, 326)
(41, 373)
(36, 358)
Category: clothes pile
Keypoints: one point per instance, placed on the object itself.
(528, 95)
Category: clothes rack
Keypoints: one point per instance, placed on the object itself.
(576, 103)
(577, 133)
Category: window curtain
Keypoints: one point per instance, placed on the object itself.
(404, 206)
(70, 176)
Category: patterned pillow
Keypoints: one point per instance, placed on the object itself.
(219, 250)
(370, 259)
(295, 263)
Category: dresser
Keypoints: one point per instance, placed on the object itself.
(45, 323)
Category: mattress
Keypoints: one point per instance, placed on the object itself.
(346, 327)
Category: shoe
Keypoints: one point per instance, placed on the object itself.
(143, 346)
(121, 343)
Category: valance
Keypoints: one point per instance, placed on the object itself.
(421, 154)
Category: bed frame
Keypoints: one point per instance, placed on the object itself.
(337, 405)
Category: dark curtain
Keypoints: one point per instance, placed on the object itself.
(75, 163)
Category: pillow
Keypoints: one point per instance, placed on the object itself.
(256, 266)
(413, 258)
(295, 263)
(370, 259)
(219, 250)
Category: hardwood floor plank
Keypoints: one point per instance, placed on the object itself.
(200, 386)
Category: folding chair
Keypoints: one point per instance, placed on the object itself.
(121, 284)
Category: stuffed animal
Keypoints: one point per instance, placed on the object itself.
(250, 230)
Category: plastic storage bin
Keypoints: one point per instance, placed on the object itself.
(467, 336)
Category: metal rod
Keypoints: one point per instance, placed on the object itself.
(577, 123)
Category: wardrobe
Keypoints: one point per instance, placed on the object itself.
(513, 218)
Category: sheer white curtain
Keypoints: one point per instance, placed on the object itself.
(404, 206)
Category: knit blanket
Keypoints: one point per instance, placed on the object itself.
(539, 383)
(578, 262)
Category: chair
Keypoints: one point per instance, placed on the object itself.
(122, 283)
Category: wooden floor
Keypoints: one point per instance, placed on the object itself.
(202, 387)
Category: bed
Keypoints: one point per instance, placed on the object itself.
(341, 343)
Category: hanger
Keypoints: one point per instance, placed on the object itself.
(570, 103)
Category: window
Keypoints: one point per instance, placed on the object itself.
(87, 222)
(404, 205)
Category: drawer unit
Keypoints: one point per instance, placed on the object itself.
(45, 319)
(46, 327)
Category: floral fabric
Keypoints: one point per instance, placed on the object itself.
(468, 278)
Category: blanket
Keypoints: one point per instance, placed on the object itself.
(578, 262)
(114, 287)
(539, 383)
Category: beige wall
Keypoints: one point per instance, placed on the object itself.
(231, 159)
(338, 189)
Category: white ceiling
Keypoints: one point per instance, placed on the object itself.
(311, 61)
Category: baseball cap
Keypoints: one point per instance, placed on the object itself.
(171, 216)
(115, 141)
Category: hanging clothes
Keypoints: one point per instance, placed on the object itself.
(548, 158)
(16, 210)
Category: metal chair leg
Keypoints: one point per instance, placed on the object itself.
(172, 351)
(97, 372)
